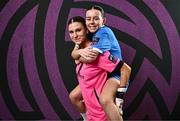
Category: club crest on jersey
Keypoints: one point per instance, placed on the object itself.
(113, 59)
(95, 40)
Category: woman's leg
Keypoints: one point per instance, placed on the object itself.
(77, 100)
(107, 98)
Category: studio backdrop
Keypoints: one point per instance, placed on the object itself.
(37, 72)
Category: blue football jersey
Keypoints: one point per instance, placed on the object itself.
(104, 39)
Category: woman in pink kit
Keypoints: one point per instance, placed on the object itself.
(91, 76)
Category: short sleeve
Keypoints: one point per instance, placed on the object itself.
(101, 42)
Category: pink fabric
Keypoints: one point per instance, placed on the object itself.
(92, 78)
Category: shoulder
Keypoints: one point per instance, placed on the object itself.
(104, 29)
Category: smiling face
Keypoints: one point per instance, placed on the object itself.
(77, 32)
(94, 20)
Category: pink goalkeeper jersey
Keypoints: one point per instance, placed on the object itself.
(92, 77)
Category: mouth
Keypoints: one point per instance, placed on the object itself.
(92, 27)
(77, 41)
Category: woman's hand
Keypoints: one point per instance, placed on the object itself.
(88, 53)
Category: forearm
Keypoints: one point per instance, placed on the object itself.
(85, 55)
(75, 53)
(87, 59)
(88, 55)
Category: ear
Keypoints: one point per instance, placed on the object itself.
(104, 20)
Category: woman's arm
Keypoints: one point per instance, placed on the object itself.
(85, 55)
(75, 53)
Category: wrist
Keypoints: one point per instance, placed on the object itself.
(77, 46)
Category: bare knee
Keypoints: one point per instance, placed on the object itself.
(72, 97)
(75, 95)
(105, 101)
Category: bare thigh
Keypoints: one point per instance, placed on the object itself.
(109, 89)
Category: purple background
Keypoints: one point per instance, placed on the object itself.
(140, 29)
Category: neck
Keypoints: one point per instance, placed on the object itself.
(86, 43)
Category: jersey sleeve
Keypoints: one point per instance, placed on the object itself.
(101, 42)
(107, 62)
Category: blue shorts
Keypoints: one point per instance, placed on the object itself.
(115, 75)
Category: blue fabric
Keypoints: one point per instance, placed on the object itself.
(104, 39)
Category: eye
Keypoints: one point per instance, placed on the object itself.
(96, 18)
(70, 32)
(78, 30)
(88, 19)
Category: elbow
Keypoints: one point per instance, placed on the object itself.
(74, 55)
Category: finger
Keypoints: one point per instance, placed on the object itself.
(94, 53)
(92, 56)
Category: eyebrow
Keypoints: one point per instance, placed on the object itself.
(93, 16)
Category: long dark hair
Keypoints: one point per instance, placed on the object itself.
(77, 19)
(83, 22)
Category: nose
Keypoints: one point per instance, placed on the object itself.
(75, 35)
(91, 21)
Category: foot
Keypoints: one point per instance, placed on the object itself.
(119, 103)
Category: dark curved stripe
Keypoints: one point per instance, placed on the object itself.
(151, 89)
(3, 3)
(175, 113)
(173, 6)
(164, 65)
(107, 9)
(41, 64)
(36, 114)
(4, 43)
(142, 51)
(135, 65)
(66, 64)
